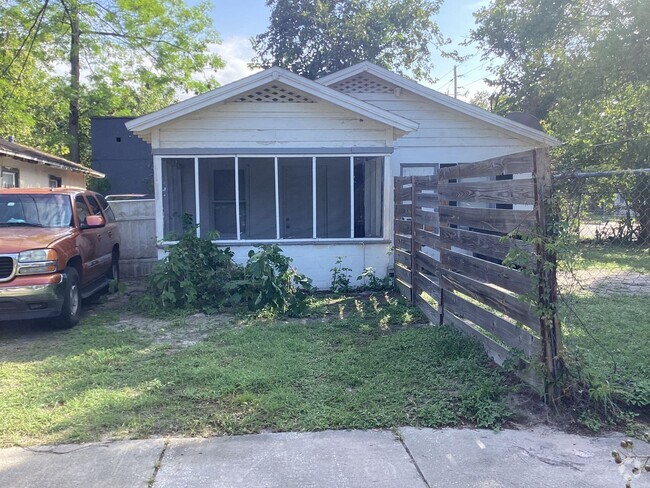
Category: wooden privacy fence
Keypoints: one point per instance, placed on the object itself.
(452, 232)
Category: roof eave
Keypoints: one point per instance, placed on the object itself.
(52, 164)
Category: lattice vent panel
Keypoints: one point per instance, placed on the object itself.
(274, 94)
(363, 84)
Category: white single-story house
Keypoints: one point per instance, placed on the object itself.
(26, 167)
(276, 157)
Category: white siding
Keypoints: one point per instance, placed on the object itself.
(444, 136)
(274, 126)
(34, 175)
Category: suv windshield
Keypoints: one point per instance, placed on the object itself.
(35, 210)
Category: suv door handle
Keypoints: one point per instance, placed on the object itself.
(99, 236)
(110, 233)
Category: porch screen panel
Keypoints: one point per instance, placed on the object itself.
(217, 198)
(333, 197)
(178, 196)
(296, 204)
(368, 196)
(259, 176)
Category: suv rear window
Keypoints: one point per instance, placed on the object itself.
(35, 210)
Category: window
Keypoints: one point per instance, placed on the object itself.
(267, 198)
(178, 194)
(108, 211)
(333, 197)
(9, 178)
(258, 193)
(296, 201)
(219, 203)
(368, 196)
(418, 169)
(82, 208)
(49, 210)
(95, 209)
(55, 182)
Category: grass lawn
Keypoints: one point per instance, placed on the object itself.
(613, 257)
(355, 363)
(609, 331)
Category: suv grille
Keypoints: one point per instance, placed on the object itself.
(6, 267)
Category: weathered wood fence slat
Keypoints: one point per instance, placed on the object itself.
(450, 243)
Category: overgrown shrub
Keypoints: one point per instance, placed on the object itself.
(372, 282)
(340, 277)
(193, 275)
(270, 282)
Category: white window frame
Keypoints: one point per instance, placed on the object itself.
(10, 171)
(386, 208)
(56, 179)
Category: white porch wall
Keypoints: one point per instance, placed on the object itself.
(317, 260)
(38, 176)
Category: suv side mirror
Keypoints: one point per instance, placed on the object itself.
(93, 221)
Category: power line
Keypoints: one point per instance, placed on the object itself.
(473, 69)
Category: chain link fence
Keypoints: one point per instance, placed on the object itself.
(604, 278)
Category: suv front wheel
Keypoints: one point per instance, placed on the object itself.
(71, 310)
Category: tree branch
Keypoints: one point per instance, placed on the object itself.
(35, 25)
(136, 38)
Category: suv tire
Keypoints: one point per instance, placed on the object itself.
(71, 310)
(113, 274)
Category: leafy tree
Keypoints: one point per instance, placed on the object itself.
(315, 38)
(583, 67)
(121, 56)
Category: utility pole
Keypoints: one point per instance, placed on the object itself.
(455, 83)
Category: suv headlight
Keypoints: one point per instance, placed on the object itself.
(37, 261)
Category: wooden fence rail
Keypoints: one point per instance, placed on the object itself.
(452, 232)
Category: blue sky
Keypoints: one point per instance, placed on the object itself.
(239, 20)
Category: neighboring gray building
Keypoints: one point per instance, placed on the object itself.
(124, 158)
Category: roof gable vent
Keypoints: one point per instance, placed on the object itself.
(364, 83)
(275, 93)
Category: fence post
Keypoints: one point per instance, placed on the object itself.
(414, 293)
(546, 272)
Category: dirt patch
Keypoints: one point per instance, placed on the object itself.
(178, 332)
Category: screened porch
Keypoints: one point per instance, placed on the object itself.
(270, 198)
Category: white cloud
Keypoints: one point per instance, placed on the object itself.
(237, 52)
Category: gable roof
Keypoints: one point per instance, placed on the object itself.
(35, 156)
(256, 80)
(441, 99)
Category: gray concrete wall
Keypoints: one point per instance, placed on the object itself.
(136, 220)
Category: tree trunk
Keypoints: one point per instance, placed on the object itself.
(73, 116)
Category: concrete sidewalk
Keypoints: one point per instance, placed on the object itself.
(409, 458)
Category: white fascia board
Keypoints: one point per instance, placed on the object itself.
(442, 99)
(74, 167)
(231, 90)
